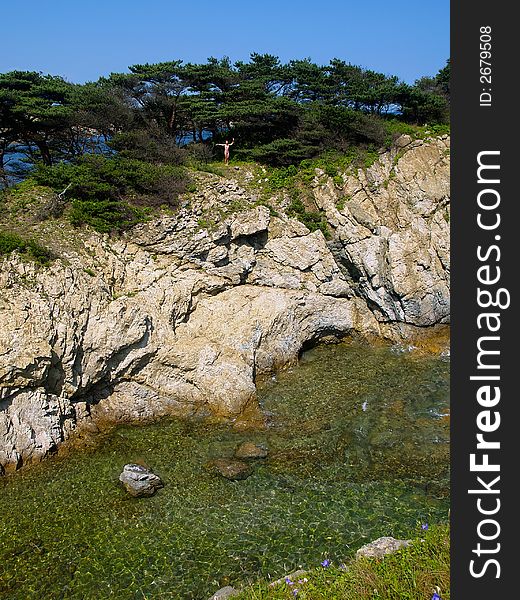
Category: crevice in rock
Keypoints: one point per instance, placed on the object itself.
(256, 241)
(55, 379)
(349, 270)
(222, 262)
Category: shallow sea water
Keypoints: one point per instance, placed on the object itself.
(358, 448)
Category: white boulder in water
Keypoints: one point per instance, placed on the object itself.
(140, 481)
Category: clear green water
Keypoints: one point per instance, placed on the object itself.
(337, 476)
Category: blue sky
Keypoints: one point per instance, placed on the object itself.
(82, 40)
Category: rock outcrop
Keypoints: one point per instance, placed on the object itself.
(179, 317)
(391, 230)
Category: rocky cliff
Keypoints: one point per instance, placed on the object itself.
(182, 315)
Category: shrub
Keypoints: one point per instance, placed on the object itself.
(200, 153)
(281, 177)
(395, 128)
(280, 152)
(10, 242)
(370, 157)
(110, 193)
(104, 216)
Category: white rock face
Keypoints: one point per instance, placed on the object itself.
(392, 229)
(179, 319)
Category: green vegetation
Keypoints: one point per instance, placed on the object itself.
(112, 194)
(340, 204)
(313, 220)
(394, 128)
(297, 179)
(119, 144)
(28, 248)
(409, 574)
(214, 169)
(278, 113)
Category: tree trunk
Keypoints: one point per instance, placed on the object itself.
(3, 174)
(171, 121)
(45, 153)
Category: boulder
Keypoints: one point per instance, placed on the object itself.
(250, 450)
(140, 481)
(250, 222)
(225, 592)
(382, 546)
(231, 469)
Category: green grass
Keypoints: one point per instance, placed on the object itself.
(394, 128)
(297, 180)
(313, 220)
(412, 573)
(215, 168)
(331, 163)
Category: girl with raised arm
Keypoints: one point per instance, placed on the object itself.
(226, 150)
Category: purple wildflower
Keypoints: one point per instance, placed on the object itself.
(325, 563)
(295, 592)
(425, 527)
(436, 596)
(288, 581)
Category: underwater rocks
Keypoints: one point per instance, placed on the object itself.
(140, 481)
(249, 450)
(239, 467)
(231, 469)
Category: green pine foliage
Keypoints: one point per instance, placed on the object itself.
(279, 113)
(119, 143)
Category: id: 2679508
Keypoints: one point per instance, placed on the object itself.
(485, 65)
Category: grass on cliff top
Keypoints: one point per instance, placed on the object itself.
(333, 163)
(394, 128)
(412, 573)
